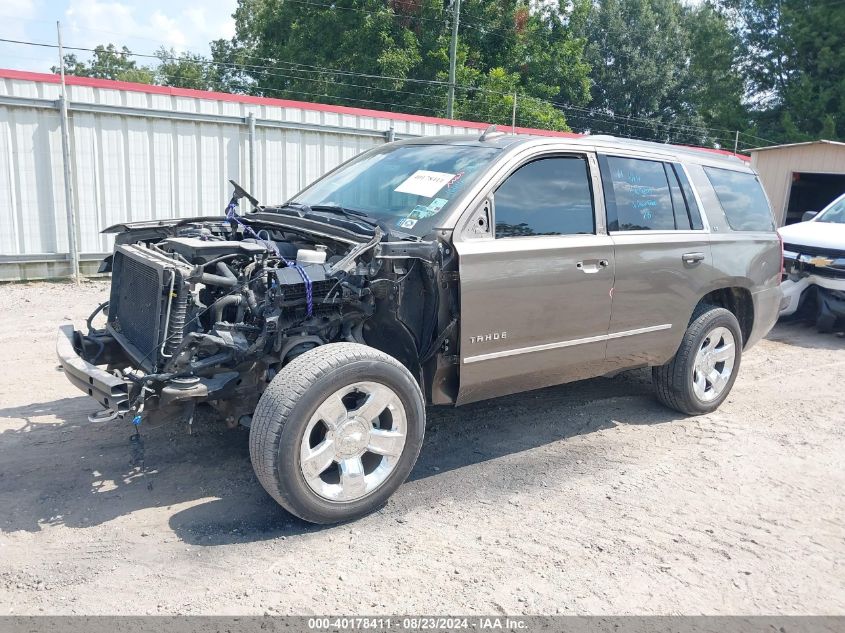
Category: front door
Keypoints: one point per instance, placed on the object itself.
(536, 292)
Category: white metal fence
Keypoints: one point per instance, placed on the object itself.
(149, 152)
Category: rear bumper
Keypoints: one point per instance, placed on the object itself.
(107, 389)
(766, 306)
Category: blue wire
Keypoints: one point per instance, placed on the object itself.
(309, 286)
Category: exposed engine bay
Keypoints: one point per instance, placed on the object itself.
(210, 309)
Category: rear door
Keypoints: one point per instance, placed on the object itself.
(535, 290)
(663, 257)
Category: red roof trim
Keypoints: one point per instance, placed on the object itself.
(285, 103)
(251, 100)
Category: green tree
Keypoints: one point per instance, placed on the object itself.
(402, 48)
(718, 86)
(108, 63)
(814, 91)
(185, 70)
(182, 70)
(792, 61)
(643, 85)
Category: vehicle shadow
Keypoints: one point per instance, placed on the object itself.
(803, 333)
(65, 470)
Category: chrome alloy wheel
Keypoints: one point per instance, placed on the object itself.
(353, 441)
(714, 364)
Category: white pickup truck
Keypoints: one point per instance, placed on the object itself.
(814, 266)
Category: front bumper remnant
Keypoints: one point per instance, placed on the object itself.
(107, 389)
(794, 290)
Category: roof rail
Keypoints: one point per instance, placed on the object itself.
(688, 149)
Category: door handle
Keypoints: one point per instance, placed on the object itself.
(692, 258)
(592, 265)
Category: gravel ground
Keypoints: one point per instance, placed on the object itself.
(588, 498)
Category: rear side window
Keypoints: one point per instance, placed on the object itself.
(637, 194)
(743, 201)
(549, 196)
(647, 195)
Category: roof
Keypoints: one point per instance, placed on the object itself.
(819, 142)
(109, 84)
(600, 142)
(688, 150)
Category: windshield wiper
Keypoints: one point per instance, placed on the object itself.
(304, 210)
(349, 213)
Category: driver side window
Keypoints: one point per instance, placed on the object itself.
(548, 196)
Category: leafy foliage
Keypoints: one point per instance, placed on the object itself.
(639, 52)
(108, 63)
(767, 70)
(793, 53)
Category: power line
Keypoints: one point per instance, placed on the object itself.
(271, 71)
(327, 70)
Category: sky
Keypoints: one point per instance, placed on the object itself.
(141, 26)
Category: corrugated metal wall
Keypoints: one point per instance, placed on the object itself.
(147, 152)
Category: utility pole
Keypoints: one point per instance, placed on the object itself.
(73, 251)
(253, 185)
(736, 142)
(513, 117)
(453, 52)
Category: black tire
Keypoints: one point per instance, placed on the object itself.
(673, 381)
(290, 401)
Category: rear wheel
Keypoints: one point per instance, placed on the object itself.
(337, 431)
(702, 373)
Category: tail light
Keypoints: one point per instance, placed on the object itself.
(782, 267)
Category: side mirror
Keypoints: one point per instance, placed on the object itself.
(809, 215)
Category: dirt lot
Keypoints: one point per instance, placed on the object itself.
(586, 498)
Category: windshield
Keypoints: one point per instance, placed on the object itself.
(407, 187)
(834, 213)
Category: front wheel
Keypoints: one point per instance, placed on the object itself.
(701, 374)
(337, 432)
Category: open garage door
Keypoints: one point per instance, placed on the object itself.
(812, 192)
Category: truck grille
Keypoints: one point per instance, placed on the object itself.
(138, 302)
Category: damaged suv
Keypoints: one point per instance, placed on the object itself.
(433, 271)
(814, 267)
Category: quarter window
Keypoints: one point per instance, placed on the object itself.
(549, 196)
(743, 201)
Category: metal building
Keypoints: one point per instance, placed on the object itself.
(140, 152)
(800, 177)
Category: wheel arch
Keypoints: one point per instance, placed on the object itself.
(738, 301)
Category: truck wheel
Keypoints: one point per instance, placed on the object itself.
(701, 374)
(336, 432)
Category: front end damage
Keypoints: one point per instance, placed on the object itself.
(209, 310)
(813, 285)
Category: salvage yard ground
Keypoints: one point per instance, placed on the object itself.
(587, 498)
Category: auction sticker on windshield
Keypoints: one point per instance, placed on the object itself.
(424, 183)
